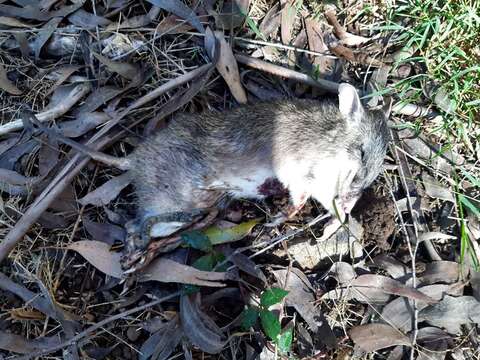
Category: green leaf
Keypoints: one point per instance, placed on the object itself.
(272, 297)
(470, 205)
(284, 341)
(234, 233)
(270, 324)
(205, 262)
(197, 240)
(249, 318)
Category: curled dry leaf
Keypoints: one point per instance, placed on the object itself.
(128, 71)
(107, 192)
(181, 10)
(373, 337)
(6, 84)
(199, 328)
(227, 67)
(452, 312)
(169, 271)
(99, 255)
(19, 344)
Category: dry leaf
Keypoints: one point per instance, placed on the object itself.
(389, 286)
(271, 21)
(173, 25)
(61, 74)
(128, 71)
(227, 67)
(42, 37)
(107, 192)
(446, 272)
(86, 20)
(289, 12)
(13, 22)
(83, 123)
(19, 344)
(373, 337)
(168, 271)
(99, 255)
(452, 312)
(300, 296)
(345, 37)
(98, 98)
(6, 84)
(163, 342)
(395, 268)
(233, 14)
(314, 31)
(181, 10)
(343, 272)
(104, 232)
(399, 312)
(436, 190)
(199, 328)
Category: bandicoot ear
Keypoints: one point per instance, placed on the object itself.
(349, 102)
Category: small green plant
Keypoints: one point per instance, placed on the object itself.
(269, 320)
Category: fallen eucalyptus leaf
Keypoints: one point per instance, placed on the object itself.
(100, 256)
(452, 312)
(6, 84)
(373, 337)
(218, 235)
(199, 328)
(166, 270)
(107, 191)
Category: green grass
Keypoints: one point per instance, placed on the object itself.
(445, 38)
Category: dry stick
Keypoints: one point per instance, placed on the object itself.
(96, 326)
(51, 114)
(287, 73)
(76, 164)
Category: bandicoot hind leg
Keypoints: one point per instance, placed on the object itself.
(142, 256)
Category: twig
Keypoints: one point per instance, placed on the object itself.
(96, 326)
(71, 99)
(276, 45)
(287, 73)
(273, 242)
(73, 167)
